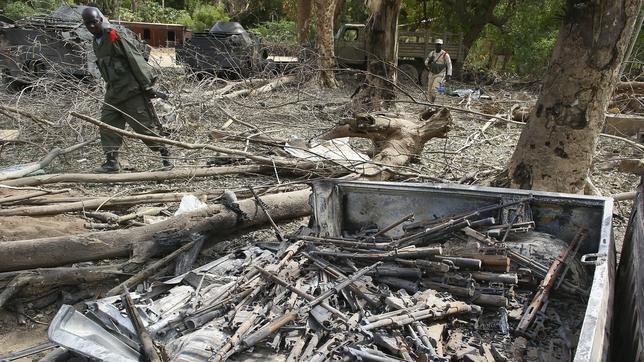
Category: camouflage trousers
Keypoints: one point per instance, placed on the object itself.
(136, 113)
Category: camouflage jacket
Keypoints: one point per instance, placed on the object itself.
(122, 66)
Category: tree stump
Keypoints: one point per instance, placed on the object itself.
(396, 139)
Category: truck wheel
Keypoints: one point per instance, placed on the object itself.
(407, 74)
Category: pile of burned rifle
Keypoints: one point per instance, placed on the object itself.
(446, 289)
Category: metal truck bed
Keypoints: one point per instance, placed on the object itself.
(345, 205)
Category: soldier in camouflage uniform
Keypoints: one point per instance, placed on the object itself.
(129, 83)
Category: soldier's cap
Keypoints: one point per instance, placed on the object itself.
(438, 41)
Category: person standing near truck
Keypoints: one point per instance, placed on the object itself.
(439, 65)
(129, 82)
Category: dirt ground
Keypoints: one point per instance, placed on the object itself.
(303, 111)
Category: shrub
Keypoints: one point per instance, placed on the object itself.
(205, 16)
(18, 10)
(282, 31)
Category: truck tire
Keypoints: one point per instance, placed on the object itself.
(407, 74)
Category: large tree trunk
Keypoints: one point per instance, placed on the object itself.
(303, 21)
(377, 92)
(555, 150)
(324, 15)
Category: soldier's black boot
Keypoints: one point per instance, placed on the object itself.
(165, 158)
(112, 164)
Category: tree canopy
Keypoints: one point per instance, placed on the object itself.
(505, 35)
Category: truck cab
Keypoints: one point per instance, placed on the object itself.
(350, 43)
(413, 48)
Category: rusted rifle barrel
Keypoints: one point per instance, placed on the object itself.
(323, 265)
(401, 253)
(489, 300)
(368, 355)
(461, 262)
(506, 278)
(300, 292)
(405, 218)
(432, 266)
(392, 271)
(409, 286)
(336, 288)
(272, 327)
(430, 313)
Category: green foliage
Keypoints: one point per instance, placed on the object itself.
(528, 38)
(126, 14)
(19, 9)
(201, 18)
(260, 11)
(205, 16)
(153, 12)
(353, 11)
(283, 31)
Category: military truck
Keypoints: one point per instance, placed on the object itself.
(228, 49)
(57, 44)
(413, 48)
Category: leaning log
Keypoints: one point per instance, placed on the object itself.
(214, 222)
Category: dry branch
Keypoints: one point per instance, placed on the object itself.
(276, 161)
(30, 195)
(150, 269)
(134, 176)
(44, 162)
(21, 112)
(93, 204)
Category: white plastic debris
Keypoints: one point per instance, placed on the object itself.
(189, 203)
(337, 150)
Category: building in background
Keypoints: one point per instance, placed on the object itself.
(157, 35)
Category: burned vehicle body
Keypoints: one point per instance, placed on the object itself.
(226, 47)
(56, 44)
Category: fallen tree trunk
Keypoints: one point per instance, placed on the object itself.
(134, 176)
(37, 281)
(216, 221)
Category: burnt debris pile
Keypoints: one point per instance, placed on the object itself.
(470, 287)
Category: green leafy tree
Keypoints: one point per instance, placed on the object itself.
(282, 31)
(205, 16)
(18, 10)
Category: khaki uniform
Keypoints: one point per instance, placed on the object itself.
(127, 75)
(439, 65)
